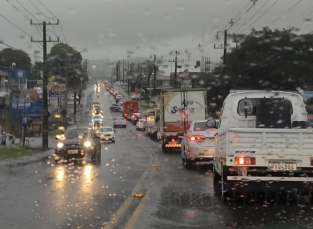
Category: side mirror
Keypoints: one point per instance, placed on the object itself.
(211, 124)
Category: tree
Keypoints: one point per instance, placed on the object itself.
(57, 63)
(19, 57)
(266, 59)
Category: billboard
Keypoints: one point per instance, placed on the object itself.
(21, 109)
(57, 90)
(30, 95)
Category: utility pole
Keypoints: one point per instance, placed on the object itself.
(207, 63)
(154, 72)
(114, 73)
(175, 60)
(45, 142)
(117, 70)
(68, 67)
(128, 75)
(123, 72)
(224, 47)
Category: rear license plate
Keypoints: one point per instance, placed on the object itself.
(106, 138)
(282, 166)
(72, 151)
(212, 140)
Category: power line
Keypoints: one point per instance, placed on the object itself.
(33, 15)
(56, 18)
(285, 12)
(261, 15)
(243, 24)
(24, 15)
(63, 33)
(9, 46)
(47, 9)
(42, 14)
(15, 25)
(240, 12)
(298, 20)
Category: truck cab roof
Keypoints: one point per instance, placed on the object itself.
(250, 109)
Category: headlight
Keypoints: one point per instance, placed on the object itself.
(87, 144)
(60, 145)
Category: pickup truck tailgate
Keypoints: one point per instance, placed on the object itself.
(271, 141)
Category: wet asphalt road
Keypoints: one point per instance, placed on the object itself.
(77, 195)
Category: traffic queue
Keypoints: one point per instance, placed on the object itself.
(261, 137)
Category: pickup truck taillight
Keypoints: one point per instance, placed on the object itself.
(196, 138)
(242, 160)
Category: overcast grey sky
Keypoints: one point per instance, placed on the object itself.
(117, 28)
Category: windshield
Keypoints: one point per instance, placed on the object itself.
(71, 134)
(74, 156)
(106, 129)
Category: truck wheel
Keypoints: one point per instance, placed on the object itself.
(164, 149)
(188, 164)
(217, 182)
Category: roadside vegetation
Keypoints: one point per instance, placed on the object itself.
(15, 152)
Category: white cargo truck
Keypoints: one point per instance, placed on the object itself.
(178, 108)
(264, 141)
(152, 119)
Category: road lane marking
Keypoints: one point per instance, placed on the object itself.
(133, 219)
(117, 215)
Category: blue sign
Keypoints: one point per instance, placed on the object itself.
(20, 75)
(22, 109)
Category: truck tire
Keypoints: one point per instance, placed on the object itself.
(164, 149)
(188, 164)
(217, 182)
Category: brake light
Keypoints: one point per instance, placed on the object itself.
(116, 121)
(125, 121)
(242, 160)
(196, 138)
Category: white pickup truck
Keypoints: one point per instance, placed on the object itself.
(264, 141)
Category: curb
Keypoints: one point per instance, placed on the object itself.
(37, 157)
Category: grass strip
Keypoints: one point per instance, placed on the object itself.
(15, 152)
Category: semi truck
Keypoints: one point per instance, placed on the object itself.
(178, 108)
(129, 108)
(264, 143)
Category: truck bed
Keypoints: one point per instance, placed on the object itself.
(269, 141)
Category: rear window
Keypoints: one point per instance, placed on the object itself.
(106, 129)
(120, 118)
(198, 126)
(249, 106)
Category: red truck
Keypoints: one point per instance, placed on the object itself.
(129, 108)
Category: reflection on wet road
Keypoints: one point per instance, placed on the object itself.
(82, 195)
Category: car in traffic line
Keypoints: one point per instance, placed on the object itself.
(119, 121)
(141, 124)
(78, 143)
(97, 121)
(107, 133)
(197, 145)
(115, 107)
(135, 117)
